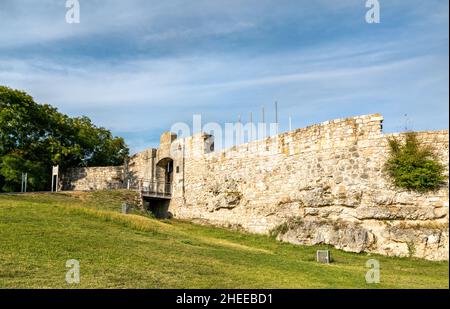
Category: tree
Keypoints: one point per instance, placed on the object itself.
(33, 137)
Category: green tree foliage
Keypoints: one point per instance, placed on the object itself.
(414, 166)
(33, 137)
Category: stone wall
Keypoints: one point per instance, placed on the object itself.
(320, 184)
(93, 178)
(323, 184)
(140, 166)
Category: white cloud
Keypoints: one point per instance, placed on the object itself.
(146, 91)
(198, 83)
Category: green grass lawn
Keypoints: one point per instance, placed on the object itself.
(40, 232)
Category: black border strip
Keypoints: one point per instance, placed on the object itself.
(278, 297)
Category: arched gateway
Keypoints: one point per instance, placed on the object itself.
(157, 191)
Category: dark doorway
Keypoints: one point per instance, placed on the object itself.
(158, 207)
(164, 170)
(164, 176)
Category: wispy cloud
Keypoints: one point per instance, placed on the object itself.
(137, 67)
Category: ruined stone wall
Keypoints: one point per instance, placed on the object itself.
(323, 184)
(320, 184)
(93, 178)
(140, 166)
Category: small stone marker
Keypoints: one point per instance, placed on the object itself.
(323, 256)
(124, 208)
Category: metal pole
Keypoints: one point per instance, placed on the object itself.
(290, 123)
(25, 183)
(263, 125)
(53, 180)
(276, 115)
(251, 127)
(238, 138)
(262, 114)
(184, 157)
(21, 184)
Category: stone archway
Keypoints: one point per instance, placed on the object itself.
(164, 170)
(157, 199)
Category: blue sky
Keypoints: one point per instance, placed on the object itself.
(138, 66)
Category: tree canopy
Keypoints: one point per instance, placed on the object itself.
(33, 137)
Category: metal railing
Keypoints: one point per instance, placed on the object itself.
(155, 188)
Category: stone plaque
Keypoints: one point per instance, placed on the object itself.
(323, 256)
(125, 208)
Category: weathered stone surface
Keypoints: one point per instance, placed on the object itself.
(342, 235)
(326, 175)
(412, 239)
(400, 212)
(92, 178)
(323, 173)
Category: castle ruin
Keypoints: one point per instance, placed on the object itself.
(323, 184)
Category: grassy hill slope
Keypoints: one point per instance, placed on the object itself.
(40, 232)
